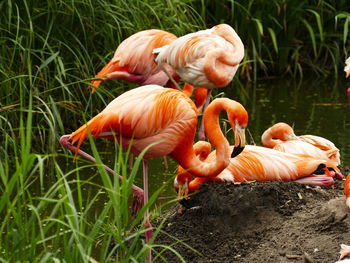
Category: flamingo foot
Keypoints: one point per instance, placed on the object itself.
(137, 203)
(317, 180)
(201, 134)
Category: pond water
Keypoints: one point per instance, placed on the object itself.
(311, 107)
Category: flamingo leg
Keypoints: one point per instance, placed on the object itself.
(149, 231)
(169, 76)
(138, 193)
(130, 160)
(201, 133)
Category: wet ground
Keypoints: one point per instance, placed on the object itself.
(259, 222)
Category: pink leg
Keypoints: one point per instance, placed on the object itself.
(137, 191)
(130, 160)
(149, 231)
(320, 180)
(201, 133)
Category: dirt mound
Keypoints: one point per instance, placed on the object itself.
(259, 222)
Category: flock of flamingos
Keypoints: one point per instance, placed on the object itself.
(160, 117)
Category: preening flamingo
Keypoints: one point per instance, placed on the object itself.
(281, 137)
(153, 114)
(134, 61)
(257, 163)
(207, 58)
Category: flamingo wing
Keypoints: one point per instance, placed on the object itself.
(144, 115)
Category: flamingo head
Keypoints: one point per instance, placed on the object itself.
(181, 182)
(283, 132)
(238, 118)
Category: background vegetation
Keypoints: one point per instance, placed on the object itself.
(49, 52)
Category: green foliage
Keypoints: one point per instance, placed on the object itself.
(286, 36)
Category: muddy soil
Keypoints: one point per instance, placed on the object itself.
(258, 222)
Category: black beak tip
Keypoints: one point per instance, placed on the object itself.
(319, 169)
(237, 150)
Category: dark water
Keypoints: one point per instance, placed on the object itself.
(312, 107)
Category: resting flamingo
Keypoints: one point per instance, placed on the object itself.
(153, 114)
(207, 58)
(257, 163)
(281, 137)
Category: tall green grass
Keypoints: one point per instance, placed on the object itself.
(286, 37)
(50, 211)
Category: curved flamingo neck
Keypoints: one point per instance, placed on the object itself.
(188, 89)
(185, 154)
(268, 141)
(230, 35)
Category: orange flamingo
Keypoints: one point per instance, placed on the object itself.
(347, 190)
(281, 137)
(164, 120)
(134, 61)
(257, 163)
(208, 58)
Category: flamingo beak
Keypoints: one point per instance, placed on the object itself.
(183, 191)
(102, 75)
(240, 141)
(292, 137)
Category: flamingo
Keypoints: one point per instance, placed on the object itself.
(133, 60)
(344, 252)
(281, 137)
(347, 190)
(164, 120)
(207, 58)
(257, 163)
